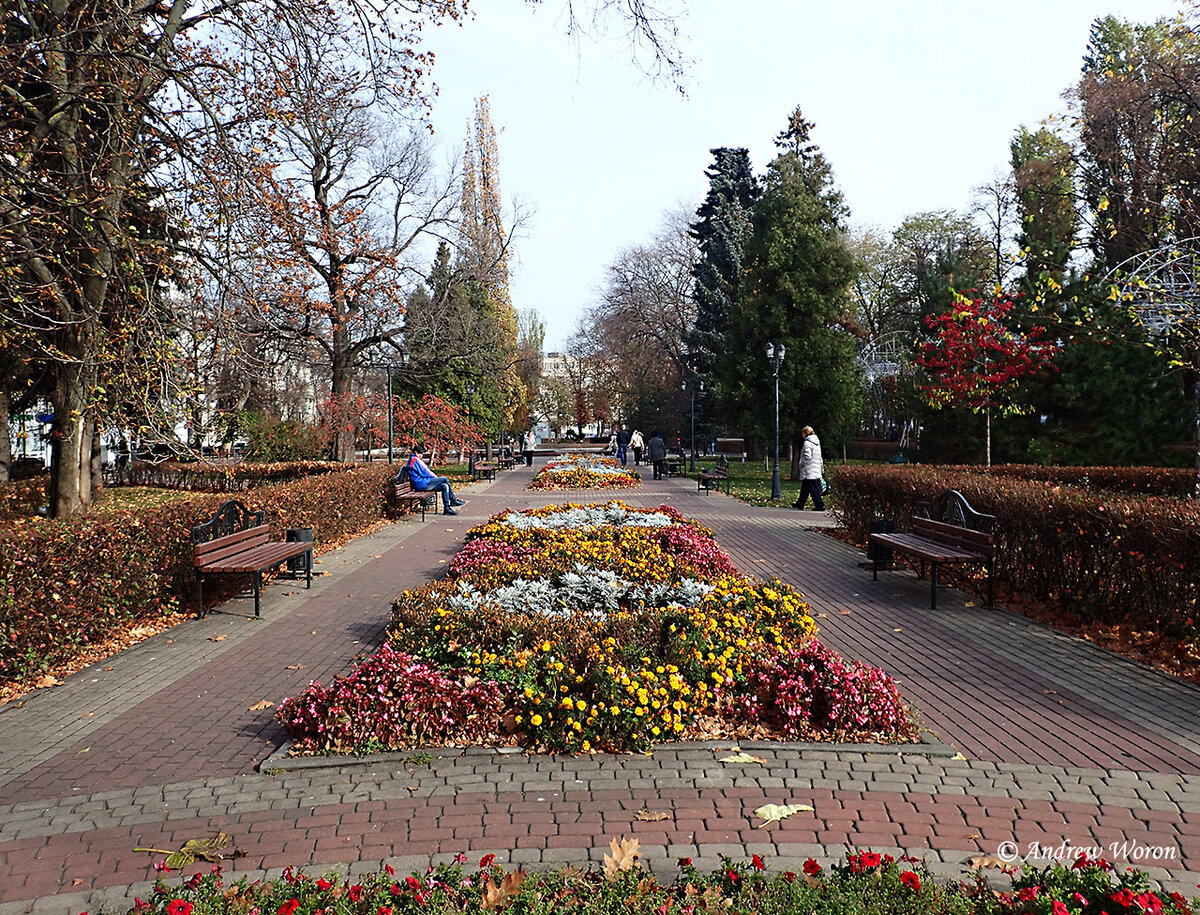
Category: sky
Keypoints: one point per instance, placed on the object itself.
(914, 102)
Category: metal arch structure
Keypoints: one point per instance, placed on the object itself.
(885, 356)
(1162, 288)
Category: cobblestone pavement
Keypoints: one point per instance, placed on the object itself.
(1035, 738)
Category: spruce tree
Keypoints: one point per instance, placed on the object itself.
(721, 229)
(796, 292)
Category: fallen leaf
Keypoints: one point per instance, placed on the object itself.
(46, 680)
(259, 706)
(897, 630)
(742, 758)
(773, 813)
(981, 861)
(969, 603)
(958, 756)
(624, 856)
(496, 897)
(87, 715)
(844, 612)
(651, 816)
(76, 882)
(822, 616)
(295, 667)
(217, 638)
(971, 835)
(110, 668)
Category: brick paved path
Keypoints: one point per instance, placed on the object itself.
(1035, 737)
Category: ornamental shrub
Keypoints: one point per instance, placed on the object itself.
(1133, 560)
(70, 583)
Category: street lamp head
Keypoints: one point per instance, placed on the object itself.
(781, 349)
(405, 356)
(470, 390)
(770, 350)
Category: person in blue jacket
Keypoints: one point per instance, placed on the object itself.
(424, 480)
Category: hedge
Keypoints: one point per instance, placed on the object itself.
(67, 584)
(1105, 556)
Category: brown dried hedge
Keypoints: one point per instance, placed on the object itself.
(1104, 555)
(67, 584)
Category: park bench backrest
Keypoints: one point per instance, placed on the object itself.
(232, 530)
(951, 519)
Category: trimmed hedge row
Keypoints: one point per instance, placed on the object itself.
(1132, 481)
(1104, 556)
(67, 584)
(226, 477)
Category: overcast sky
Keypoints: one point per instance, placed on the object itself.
(914, 103)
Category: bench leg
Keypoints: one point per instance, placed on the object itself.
(308, 568)
(200, 593)
(257, 589)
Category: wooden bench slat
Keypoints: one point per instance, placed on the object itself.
(232, 544)
(259, 560)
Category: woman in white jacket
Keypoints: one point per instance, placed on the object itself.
(812, 468)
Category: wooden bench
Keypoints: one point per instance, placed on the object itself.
(400, 492)
(706, 480)
(484, 470)
(945, 532)
(236, 541)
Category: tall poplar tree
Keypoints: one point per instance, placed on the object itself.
(796, 292)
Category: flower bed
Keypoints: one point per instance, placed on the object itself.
(578, 471)
(864, 882)
(601, 627)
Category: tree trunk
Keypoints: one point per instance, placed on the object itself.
(342, 445)
(67, 441)
(5, 442)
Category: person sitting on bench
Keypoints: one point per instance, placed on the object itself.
(424, 480)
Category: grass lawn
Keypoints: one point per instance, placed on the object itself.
(751, 483)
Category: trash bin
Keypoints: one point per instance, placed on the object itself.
(884, 553)
(298, 565)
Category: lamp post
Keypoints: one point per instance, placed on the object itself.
(775, 356)
(695, 386)
(390, 367)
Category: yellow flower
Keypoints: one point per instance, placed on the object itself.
(535, 720)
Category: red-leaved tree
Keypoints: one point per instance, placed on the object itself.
(976, 359)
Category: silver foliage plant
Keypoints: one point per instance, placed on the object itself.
(583, 590)
(588, 517)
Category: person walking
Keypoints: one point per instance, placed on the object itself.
(656, 453)
(638, 444)
(425, 480)
(527, 446)
(812, 469)
(622, 444)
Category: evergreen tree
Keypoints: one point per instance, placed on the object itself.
(721, 229)
(796, 293)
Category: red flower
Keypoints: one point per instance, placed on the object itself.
(390, 870)
(870, 859)
(757, 862)
(1060, 909)
(811, 867)
(179, 907)
(911, 880)
(487, 861)
(732, 874)
(355, 893)
(384, 910)
(323, 884)
(789, 876)
(685, 862)
(413, 883)
(290, 906)
(1028, 894)
(1123, 897)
